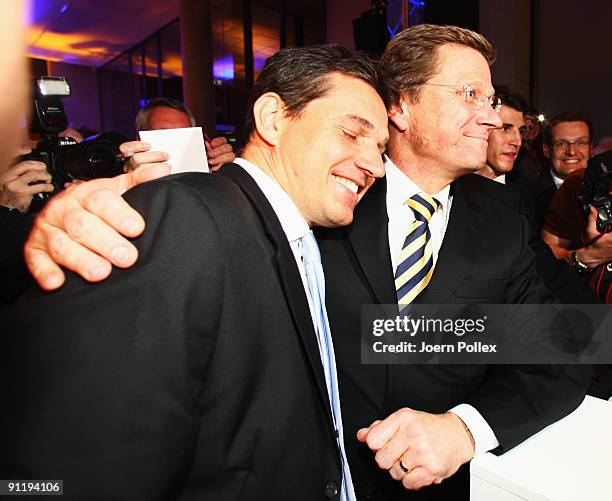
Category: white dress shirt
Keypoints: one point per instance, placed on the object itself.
(556, 179)
(399, 189)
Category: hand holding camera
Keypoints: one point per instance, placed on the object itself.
(21, 182)
(65, 159)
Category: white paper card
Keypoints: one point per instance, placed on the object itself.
(185, 147)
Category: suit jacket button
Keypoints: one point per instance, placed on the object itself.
(331, 489)
(368, 492)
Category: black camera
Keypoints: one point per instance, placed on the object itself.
(67, 160)
(597, 185)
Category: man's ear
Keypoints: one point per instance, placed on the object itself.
(399, 115)
(268, 111)
(546, 149)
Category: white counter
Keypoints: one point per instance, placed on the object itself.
(571, 460)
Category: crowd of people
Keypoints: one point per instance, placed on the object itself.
(222, 360)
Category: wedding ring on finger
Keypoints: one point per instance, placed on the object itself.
(403, 467)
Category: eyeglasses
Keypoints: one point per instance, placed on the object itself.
(473, 96)
(562, 144)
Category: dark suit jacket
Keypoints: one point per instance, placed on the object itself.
(485, 258)
(14, 229)
(542, 190)
(193, 375)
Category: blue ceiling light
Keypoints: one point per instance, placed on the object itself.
(417, 5)
(223, 69)
(395, 10)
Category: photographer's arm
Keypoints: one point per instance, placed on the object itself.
(559, 246)
(597, 251)
(81, 229)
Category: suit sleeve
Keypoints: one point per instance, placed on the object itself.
(99, 382)
(519, 400)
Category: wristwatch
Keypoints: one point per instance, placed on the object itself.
(578, 265)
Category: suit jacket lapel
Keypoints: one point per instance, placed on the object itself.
(289, 275)
(368, 236)
(459, 250)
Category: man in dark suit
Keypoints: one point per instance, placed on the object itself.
(440, 117)
(439, 87)
(198, 372)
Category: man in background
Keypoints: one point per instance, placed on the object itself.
(567, 146)
(505, 142)
(168, 113)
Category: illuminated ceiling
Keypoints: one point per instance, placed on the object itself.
(91, 32)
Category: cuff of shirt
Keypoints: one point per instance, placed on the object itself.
(484, 438)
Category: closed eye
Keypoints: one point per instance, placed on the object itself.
(348, 135)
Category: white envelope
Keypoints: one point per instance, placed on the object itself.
(185, 147)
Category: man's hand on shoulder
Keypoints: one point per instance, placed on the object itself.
(81, 229)
(419, 448)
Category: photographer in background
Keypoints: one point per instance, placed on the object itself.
(25, 179)
(578, 239)
(20, 183)
(168, 113)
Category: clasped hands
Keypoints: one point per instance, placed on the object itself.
(418, 448)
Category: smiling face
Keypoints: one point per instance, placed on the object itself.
(331, 152)
(447, 134)
(570, 148)
(505, 142)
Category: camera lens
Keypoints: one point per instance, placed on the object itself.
(95, 157)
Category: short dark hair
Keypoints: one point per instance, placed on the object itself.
(142, 118)
(411, 57)
(566, 116)
(299, 75)
(511, 98)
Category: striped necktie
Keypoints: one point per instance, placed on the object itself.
(416, 259)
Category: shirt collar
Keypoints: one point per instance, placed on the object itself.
(556, 179)
(293, 223)
(500, 179)
(400, 187)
